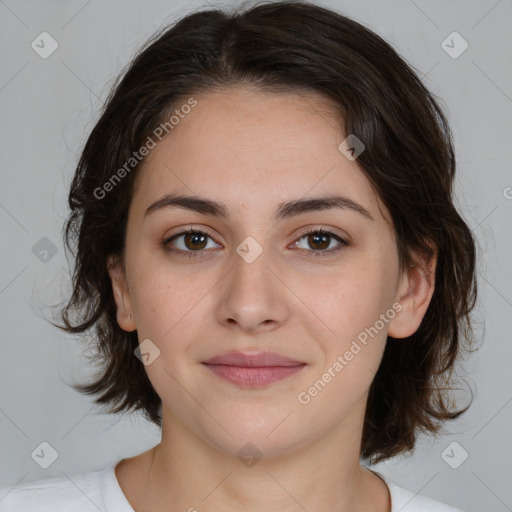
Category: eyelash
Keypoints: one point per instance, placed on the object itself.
(196, 254)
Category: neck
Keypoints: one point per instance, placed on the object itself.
(185, 473)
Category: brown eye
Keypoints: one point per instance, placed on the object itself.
(190, 243)
(195, 241)
(319, 242)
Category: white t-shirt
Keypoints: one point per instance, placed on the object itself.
(100, 491)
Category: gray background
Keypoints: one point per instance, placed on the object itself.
(47, 108)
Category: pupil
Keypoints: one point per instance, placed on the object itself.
(319, 239)
(195, 238)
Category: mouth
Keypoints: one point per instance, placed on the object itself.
(253, 370)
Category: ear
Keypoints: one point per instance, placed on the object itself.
(125, 317)
(414, 293)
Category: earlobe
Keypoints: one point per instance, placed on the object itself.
(121, 294)
(414, 294)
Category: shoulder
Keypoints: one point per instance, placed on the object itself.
(406, 501)
(86, 492)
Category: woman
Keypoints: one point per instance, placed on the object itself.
(269, 256)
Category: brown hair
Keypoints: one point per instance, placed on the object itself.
(286, 46)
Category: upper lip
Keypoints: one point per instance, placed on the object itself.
(253, 359)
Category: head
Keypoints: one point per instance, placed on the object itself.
(236, 126)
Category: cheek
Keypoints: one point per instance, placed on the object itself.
(359, 312)
(166, 311)
(350, 298)
(355, 306)
(164, 302)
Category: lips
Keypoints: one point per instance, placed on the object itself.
(253, 370)
(253, 360)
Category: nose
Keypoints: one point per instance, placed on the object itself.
(252, 298)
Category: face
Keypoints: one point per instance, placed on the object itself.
(257, 275)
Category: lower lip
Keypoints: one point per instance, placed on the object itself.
(254, 376)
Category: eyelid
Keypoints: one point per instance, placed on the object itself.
(191, 229)
(322, 229)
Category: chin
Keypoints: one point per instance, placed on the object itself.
(257, 435)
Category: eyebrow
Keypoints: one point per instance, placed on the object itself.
(285, 210)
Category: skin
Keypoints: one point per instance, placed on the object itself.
(253, 150)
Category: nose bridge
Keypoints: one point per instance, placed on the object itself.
(251, 262)
(251, 296)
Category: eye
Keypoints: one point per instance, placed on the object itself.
(190, 242)
(320, 242)
(194, 243)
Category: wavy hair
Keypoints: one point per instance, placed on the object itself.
(286, 46)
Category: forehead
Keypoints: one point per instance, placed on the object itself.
(253, 149)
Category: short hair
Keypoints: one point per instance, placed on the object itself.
(294, 47)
